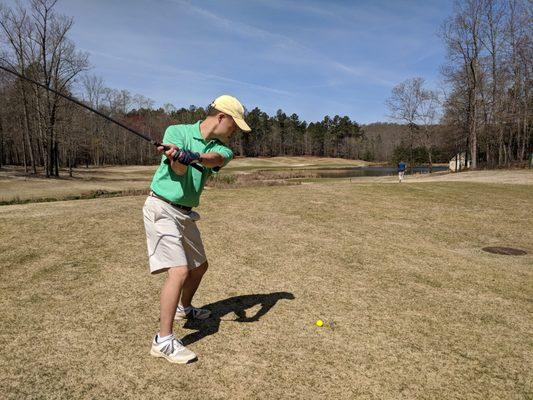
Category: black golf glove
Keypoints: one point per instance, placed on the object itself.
(187, 157)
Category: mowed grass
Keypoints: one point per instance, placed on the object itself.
(413, 308)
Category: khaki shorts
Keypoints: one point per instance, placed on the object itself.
(172, 236)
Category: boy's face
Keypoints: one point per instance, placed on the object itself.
(226, 127)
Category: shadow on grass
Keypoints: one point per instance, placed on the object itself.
(234, 305)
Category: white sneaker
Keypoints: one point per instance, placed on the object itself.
(173, 350)
(193, 313)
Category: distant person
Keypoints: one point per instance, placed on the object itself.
(401, 171)
(173, 240)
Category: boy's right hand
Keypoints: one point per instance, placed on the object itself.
(171, 152)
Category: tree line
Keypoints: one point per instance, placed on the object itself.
(484, 108)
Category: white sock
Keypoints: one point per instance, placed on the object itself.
(160, 339)
(184, 309)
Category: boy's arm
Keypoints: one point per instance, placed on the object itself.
(219, 156)
(211, 160)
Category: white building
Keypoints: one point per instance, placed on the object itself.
(459, 165)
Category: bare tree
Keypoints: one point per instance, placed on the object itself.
(461, 33)
(491, 38)
(17, 30)
(405, 105)
(94, 93)
(519, 36)
(427, 117)
(59, 62)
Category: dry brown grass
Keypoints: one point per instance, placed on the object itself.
(15, 186)
(419, 311)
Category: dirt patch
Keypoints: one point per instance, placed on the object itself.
(506, 251)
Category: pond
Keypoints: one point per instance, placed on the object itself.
(373, 171)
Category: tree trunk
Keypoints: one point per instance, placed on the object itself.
(473, 133)
(525, 141)
(23, 148)
(49, 150)
(52, 139)
(27, 128)
(1, 142)
(68, 156)
(500, 147)
(43, 133)
(411, 138)
(467, 149)
(521, 139)
(56, 159)
(124, 149)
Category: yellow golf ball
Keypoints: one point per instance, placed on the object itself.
(319, 322)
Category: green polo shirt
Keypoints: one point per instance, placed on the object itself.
(186, 189)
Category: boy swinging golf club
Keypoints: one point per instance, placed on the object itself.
(173, 240)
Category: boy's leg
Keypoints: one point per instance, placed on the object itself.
(191, 284)
(170, 294)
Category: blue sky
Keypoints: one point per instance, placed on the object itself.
(313, 58)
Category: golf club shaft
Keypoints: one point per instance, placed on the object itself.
(157, 144)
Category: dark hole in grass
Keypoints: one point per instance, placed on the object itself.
(506, 251)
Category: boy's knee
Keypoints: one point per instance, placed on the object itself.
(178, 273)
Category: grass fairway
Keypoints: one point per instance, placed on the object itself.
(412, 307)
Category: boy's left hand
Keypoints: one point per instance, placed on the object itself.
(187, 157)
